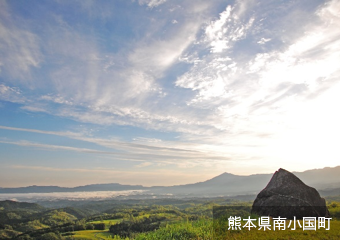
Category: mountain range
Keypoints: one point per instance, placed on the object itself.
(326, 180)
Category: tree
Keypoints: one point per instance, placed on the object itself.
(50, 236)
(89, 226)
(99, 226)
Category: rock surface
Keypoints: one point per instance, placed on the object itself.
(287, 196)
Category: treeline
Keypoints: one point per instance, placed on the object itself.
(58, 230)
(127, 228)
(106, 217)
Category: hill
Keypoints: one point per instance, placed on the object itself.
(9, 205)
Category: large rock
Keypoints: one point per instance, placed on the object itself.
(287, 196)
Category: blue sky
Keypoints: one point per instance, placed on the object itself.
(164, 92)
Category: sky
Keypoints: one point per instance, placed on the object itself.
(166, 92)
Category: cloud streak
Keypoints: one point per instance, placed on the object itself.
(156, 152)
(18, 46)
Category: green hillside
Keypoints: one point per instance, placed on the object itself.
(152, 219)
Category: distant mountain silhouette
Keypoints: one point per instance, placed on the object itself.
(226, 184)
(86, 188)
(321, 178)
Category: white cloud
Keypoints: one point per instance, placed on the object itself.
(142, 165)
(151, 3)
(250, 97)
(158, 55)
(232, 103)
(222, 33)
(57, 99)
(109, 88)
(215, 29)
(93, 8)
(151, 140)
(81, 170)
(141, 149)
(56, 147)
(11, 94)
(66, 134)
(19, 48)
(263, 40)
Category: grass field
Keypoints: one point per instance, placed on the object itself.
(92, 234)
(299, 233)
(96, 234)
(203, 229)
(107, 223)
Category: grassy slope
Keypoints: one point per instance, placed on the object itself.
(203, 229)
(92, 234)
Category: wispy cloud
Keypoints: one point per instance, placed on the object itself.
(150, 150)
(51, 169)
(255, 94)
(126, 92)
(151, 3)
(231, 82)
(263, 40)
(11, 94)
(229, 28)
(142, 165)
(19, 47)
(66, 134)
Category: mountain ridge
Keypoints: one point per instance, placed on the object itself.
(224, 184)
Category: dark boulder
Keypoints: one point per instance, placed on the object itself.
(287, 196)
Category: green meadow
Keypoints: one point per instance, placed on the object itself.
(203, 229)
(92, 234)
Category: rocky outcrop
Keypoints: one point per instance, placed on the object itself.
(287, 196)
